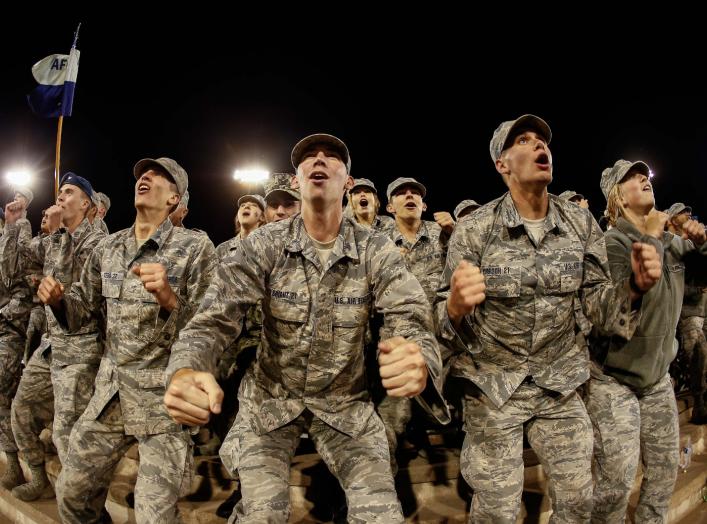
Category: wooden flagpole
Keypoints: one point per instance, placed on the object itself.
(57, 158)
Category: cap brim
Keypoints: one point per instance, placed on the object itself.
(364, 185)
(143, 165)
(418, 185)
(288, 192)
(248, 198)
(318, 139)
(639, 164)
(528, 122)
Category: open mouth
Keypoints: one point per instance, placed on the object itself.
(363, 202)
(318, 175)
(142, 189)
(543, 161)
(411, 205)
(648, 188)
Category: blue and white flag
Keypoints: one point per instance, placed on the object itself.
(56, 76)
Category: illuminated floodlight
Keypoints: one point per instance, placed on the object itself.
(251, 176)
(18, 178)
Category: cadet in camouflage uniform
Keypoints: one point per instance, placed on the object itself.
(575, 198)
(464, 208)
(149, 278)
(691, 323)
(282, 200)
(630, 397)
(364, 204)
(181, 211)
(37, 325)
(37, 414)
(249, 217)
(513, 270)
(423, 246)
(318, 276)
(102, 207)
(73, 358)
(15, 306)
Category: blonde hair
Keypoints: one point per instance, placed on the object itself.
(614, 208)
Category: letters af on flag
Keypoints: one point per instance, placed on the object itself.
(56, 76)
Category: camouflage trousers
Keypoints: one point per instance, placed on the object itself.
(73, 386)
(695, 346)
(361, 464)
(626, 425)
(12, 344)
(95, 448)
(491, 459)
(33, 408)
(395, 412)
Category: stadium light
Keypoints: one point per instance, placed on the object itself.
(18, 177)
(251, 176)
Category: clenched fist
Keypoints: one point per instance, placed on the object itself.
(154, 278)
(50, 292)
(192, 396)
(445, 221)
(467, 291)
(646, 266)
(402, 368)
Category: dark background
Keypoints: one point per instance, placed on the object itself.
(416, 100)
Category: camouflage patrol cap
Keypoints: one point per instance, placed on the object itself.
(104, 199)
(677, 209)
(179, 176)
(25, 192)
(280, 182)
(363, 182)
(256, 199)
(463, 206)
(569, 195)
(615, 174)
(184, 201)
(316, 139)
(505, 132)
(404, 181)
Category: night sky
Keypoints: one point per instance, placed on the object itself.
(216, 99)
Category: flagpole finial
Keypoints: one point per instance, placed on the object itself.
(76, 35)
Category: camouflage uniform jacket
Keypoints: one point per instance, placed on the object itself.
(425, 256)
(98, 223)
(139, 333)
(314, 322)
(60, 255)
(14, 290)
(252, 324)
(228, 247)
(526, 326)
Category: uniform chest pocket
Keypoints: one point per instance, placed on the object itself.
(502, 281)
(563, 276)
(111, 288)
(139, 309)
(351, 311)
(288, 306)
